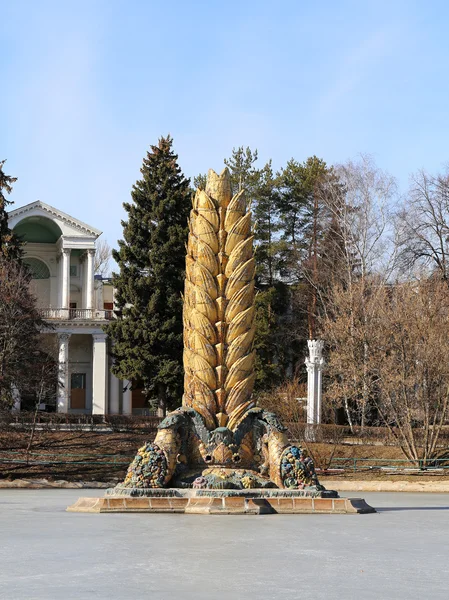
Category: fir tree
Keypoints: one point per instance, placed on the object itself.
(266, 226)
(303, 224)
(199, 181)
(10, 246)
(243, 172)
(272, 339)
(147, 336)
(272, 301)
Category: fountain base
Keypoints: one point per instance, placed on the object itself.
(214, 502)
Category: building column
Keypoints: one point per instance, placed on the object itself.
(65, 278)
(59, 280)
(82, 263)
(89, 281)
(127, 398)
(114, 388)
(314, 363)
(100, 374)
(63, 373)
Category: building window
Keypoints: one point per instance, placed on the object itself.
(38, 269)
(73, 271)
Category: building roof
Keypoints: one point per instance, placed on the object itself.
(73, 226)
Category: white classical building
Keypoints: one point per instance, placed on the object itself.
(60, 251)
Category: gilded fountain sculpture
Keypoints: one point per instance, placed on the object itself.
(219, 453)
(219, 438)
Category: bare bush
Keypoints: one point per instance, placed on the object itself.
(413, 373)
(288, 402)
(405, 381)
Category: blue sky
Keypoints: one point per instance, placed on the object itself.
(88, 86)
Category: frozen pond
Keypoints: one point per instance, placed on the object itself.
(45, 553)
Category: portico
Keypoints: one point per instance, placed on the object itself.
(84, 378)
(60, 253)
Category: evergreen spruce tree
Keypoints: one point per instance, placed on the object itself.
(304, 225)
(272, 301)
(10, 246)
(147, 336)
(243, 172)
(266, 226)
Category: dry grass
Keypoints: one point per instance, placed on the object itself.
(73, 455)
(76, 446)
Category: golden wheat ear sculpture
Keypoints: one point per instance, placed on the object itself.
(218, 439)
(219, 305)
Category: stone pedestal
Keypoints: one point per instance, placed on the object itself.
(223, 502)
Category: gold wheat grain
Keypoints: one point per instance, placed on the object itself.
(219, 305)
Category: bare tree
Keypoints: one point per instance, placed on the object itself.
(359, 208)
(423, 224)
(42, 382)
(351, 330)
(412, 366)
(20, 327)
(103, 253)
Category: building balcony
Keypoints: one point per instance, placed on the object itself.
(76, 314)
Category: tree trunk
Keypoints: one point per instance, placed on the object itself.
(33, 431)
(348, 415)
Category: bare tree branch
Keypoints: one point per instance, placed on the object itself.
(423, 225)
(103, 253)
